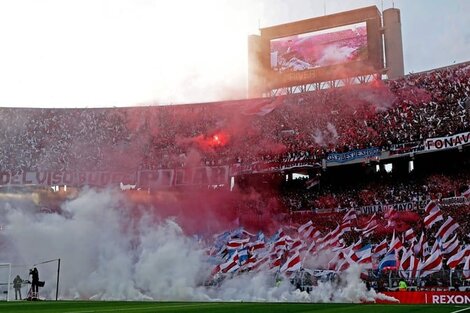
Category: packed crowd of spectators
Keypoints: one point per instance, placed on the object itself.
(293, 127)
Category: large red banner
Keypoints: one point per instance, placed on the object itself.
(429, 297)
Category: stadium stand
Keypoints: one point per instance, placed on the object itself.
(394, 116)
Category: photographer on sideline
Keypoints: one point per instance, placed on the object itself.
(35, 280)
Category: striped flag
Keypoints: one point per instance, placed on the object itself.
(451, 247)
(447, 228)
(304, 227)
(292, 264)
(410, 235)
(432, 264)
(466, 268)
(237, 243)
(365, 255)
(350, 215)
(433, 218)
(458, 258)
(381, 248)
(255, 247)
(405, 262)
(231, 264)
(430, 207)
(414, 267)
(395, 244)
(345, 264)
(418, 248)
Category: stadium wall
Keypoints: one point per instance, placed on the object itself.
(429, 297)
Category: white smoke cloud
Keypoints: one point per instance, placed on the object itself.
(110, 252)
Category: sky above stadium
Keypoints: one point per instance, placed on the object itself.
(97, 53)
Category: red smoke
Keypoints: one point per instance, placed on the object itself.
(209, 211)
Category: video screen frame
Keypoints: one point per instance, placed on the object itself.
(337, 45)
(373, 63)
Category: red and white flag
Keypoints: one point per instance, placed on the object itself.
(381, 248)
(432, 218)
(410, 235)
(315, 235)
(405, 262)
(414, 267)
(296, 245)
(432, 264)
(426, 249)
(451, 247)
(292, 264)
(237, 243)
(430, 207)
(436, 245)
(396, 244)
(345, 227)
(255, 247)
(369, 231)
(304, 227)
(466, 268)
(418, 248)
(309, 232)
(344, 265)
(458, 258)
(350, 215)
(447, 228)
(231, 264)
(365, 258)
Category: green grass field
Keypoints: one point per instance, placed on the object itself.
(216, 307)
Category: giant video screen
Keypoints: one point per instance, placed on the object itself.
(316, 49)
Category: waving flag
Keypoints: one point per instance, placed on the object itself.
(466, 268)
(307, 230)
(304, 227)
(370, 231)
(381, 248)
(432, 264)
(357, 245)
(447, 228)
(345, 264)
(451, 247)
(231, 264)
(430, 207)
(315, 235)
(237, 243)
(414, 267)
(433, 218)
(437, 245)
(346, 226)
(396, 244)
(365, 256)
(243, 256)
(359, 253)
(296, 245)
(255, 247)
(389, 261)
(418, 248)
(410, 235)
(292, 264)
(350, 215)
(458, 258)
(405, 262)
